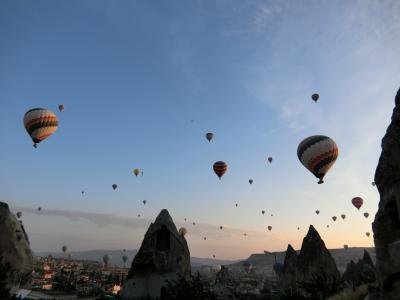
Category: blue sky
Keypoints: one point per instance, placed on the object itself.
(133, 74)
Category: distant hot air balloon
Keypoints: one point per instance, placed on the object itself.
(184, 219)
(124, 259)
(318, 153)
(64, 249)
(144, 201)
(317, 212)
(298, 228)
(194, 223)
(373, 183)
(247, 266)
(205, 238)
(315, 97)
(182, 231)
(136, 172)
(209, 136)
(220, 168)
(346, 247)
(106, 259)
(334, 218)
(220, 227)
(19, 214)
(61, 107)
(138, 215)
(40, 123)
(327, 226)
(39, 208)
(245, 234)
(213, 255)
(357, 202)
(82, 192)
(270, 159)
(236, 204)
(114, 186)
(270, 228)
(343, 216)
(251, 181)
(272, 215)
(263, 211)
(367, 234)
(366, 215)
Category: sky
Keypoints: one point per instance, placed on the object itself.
(142, 82)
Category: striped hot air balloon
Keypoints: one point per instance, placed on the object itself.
(220, 168)
(40, 123)
(318, 153)
(357, 202)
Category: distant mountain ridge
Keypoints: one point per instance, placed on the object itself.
(258, 260)
(116, 257)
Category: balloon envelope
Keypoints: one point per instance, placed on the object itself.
(61, 107)
(209, 136)
(114, 186)
(40, 123)
(136, 172)
(64, 249)
(357, 202)
(220, 168)
(270, 228)
(318, 153)
(315, 97)
(182, 231)
(366, 214)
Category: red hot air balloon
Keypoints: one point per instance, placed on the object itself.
(220, 168)
(357, 202)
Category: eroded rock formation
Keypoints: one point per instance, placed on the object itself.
(15, 249)
(362, 272)
(386, 225)
(289, 272)
(164, 255)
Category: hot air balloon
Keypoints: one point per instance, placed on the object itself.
(367, 234)
(247, 266)
(245, 234)
(220, 227)
(144, 201)
(205, 238)
(138, 215)
(220, 168)
(124, 259)
(39, 208)
(184, 219)
(373, 183)
(318, 153)
(251, 181)
(317, 212)
(343, 216)
(213, 255)
(61, 107)
(315, 97)
(270, 159)
(236, 204)
(272, 215)
(334, 218)
(82, 192)
(346, 247)
(182, 231)
(64, 249)
(357, 202)
(40, 123)
(327, 226)
(366, 215)
(136, 172)
(114, 186)
(270, 228)
(298, 228)
(263, 211)
(19, 214)
(106, 259)
(194, 223)
(209, 136)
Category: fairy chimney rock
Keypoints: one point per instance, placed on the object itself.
(164, 255)
(289, 273)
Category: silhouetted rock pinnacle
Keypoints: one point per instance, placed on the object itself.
(15, 249)
(289, 273)
(386, 225)
(164, 255)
